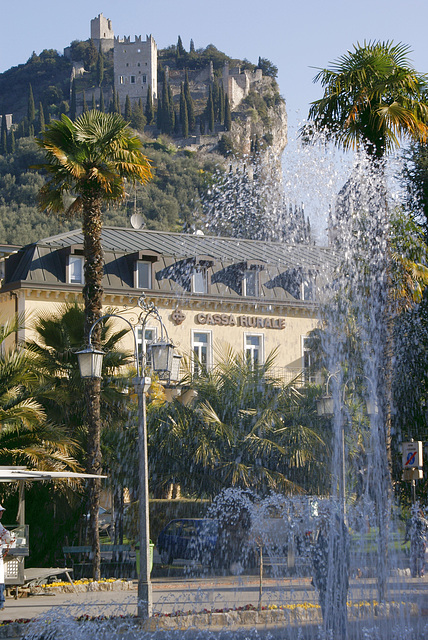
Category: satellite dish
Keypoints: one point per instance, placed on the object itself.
(137, 221)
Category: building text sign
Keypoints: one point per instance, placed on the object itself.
(250, 322)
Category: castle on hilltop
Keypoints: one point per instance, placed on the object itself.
(135, 66)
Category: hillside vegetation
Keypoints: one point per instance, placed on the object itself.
(40, 90)
(171, 201)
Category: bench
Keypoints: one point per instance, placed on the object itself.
(80, 558)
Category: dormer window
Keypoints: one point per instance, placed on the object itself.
(75, 269)
(250, 283)
(199, 280)
(143, 274)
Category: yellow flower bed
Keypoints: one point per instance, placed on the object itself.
(61, 583)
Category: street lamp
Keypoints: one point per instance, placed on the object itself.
(164, 363)
(325, 408)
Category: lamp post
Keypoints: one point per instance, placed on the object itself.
(162, 362)
(325, 407)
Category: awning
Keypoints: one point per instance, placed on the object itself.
(10, 474)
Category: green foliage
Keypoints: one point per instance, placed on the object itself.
(268, 68)
(137, 119)
(43, 71)
(149, 109)
(73, 103)
(373, 97)
(258, 102)
(227, 114)
(31, 109)
(128, 109)
(210, 111)
(225, 146)
(184, 120)
(100, 69)
(245, 430)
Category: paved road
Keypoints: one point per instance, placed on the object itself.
(197, 594)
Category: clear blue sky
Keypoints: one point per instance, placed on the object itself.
(295, 35)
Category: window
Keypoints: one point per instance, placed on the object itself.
(199, 280)
(138, 64)
(250, 283)
(143, 275)
(201, 349)
(308, 361)
(253, 347)
(75, 269)
(150, 335)
(308, 289)
(121, 80)
(132, 79)
(144, 78)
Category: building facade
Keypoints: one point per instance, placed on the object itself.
(135, 68)
(212, 293)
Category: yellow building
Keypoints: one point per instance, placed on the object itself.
(211, 292)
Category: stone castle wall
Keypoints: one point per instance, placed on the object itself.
(102, 33)
(135, 68)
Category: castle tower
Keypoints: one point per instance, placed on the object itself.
(135, 68)
(102, 33)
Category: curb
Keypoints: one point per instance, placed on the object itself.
(297, 615)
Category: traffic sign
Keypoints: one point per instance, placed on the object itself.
(412, 455)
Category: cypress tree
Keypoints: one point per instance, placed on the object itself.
(180, 49)
(138, 120)
(12, 141)
(40, 119)
(227, 114)
(111, 108)
(3, 136)
(149, 111)
(216, 99)
(171, 110)
(202, 124)
(192, 46)
(102, 105)
(31, 131)
(184, 120)
(100, 68)
(210, 111)
(31, 109)
(128, 109)
(117, 103)
(85, 106)
(73, 101)
(189, 103)
(94, 103)
(221, 105)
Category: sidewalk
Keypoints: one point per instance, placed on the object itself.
(197, 594)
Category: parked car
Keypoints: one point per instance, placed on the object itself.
(188, 539)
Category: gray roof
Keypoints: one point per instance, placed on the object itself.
(181, 245)
(281, 266)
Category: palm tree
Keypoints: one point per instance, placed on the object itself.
(90, 159)
(57, 337)
(26, 436)
(372, 98)
(246, 430)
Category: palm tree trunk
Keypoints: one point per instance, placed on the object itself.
(92, 293)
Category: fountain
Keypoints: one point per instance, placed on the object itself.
(347, 541)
